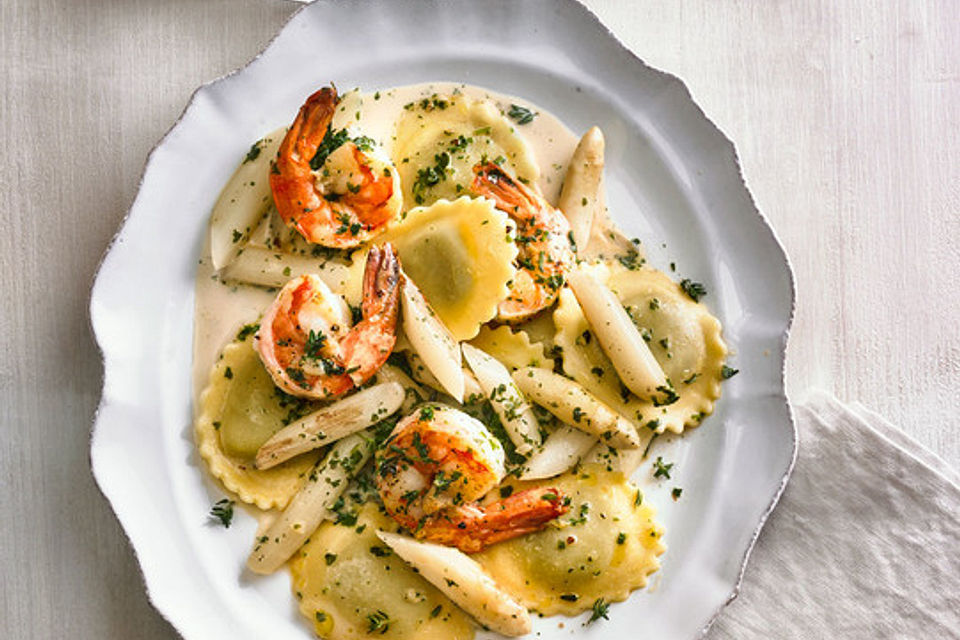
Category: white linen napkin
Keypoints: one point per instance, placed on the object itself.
(864, 544)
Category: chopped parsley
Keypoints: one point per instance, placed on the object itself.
(670, 396)
(693, 289)
(378, 621)
(254, 152)
(332, 140)
(246, 331)
(522, 115)
(364, 143)
(223, 511)
(346, 222)
(329, 558)
(315, 342)
(662, 469)
(442, 481)
(460, 143)
(728, 372)
(431, 176)
(631, 261)
(677, 491)
(297, 376)
(600, 610)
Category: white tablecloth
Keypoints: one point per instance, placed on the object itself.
(864, 544)
(846, 116)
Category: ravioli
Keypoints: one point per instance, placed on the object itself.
(350, 585)
(682, 334)
(513, 349)
(441, 138)
(604, 547)
(239, 410)
(460, 254)
(539, 330)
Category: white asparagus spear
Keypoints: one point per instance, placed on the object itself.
(626, 461)
(575, 406)
(414, 394)
(618, 336)
(243, 201)
(513, 409)
(423, 375)
(432, 341)
(268, 268)
(560, 451)
(329, 424)
(581, 195)
(462, 580)
(309, 507)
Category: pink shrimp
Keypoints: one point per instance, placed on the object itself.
(544, 256)
(435, 466)
(305, 339)
(326, 186)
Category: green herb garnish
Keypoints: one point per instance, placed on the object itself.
(662, 469)
(600, 610)
(223, 511)
(378, 621)
(693, 289)
(728, 372)
(522, 115)
(332, 140)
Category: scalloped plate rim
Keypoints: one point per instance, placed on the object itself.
(104, 272)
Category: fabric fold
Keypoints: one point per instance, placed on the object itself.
(865, 542)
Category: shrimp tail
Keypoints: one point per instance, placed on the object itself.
(291, 182)
(371, 341)
(473, 528)
(510, 196)
(310, 127)
(545, 255)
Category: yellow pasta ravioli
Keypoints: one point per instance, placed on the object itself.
(350, 586)
(512, 348)
(460, 254)
(604, 547)
(441, 138)
(683, 336)
(239, 410)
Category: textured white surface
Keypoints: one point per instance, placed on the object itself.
(867, 544)
(846, 117)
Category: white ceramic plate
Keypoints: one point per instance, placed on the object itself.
(672, 178)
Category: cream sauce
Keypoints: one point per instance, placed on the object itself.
(221, 309)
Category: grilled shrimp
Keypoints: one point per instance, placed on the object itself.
(306, 340)
(435, 466)
(336, 190)
(543, 240)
